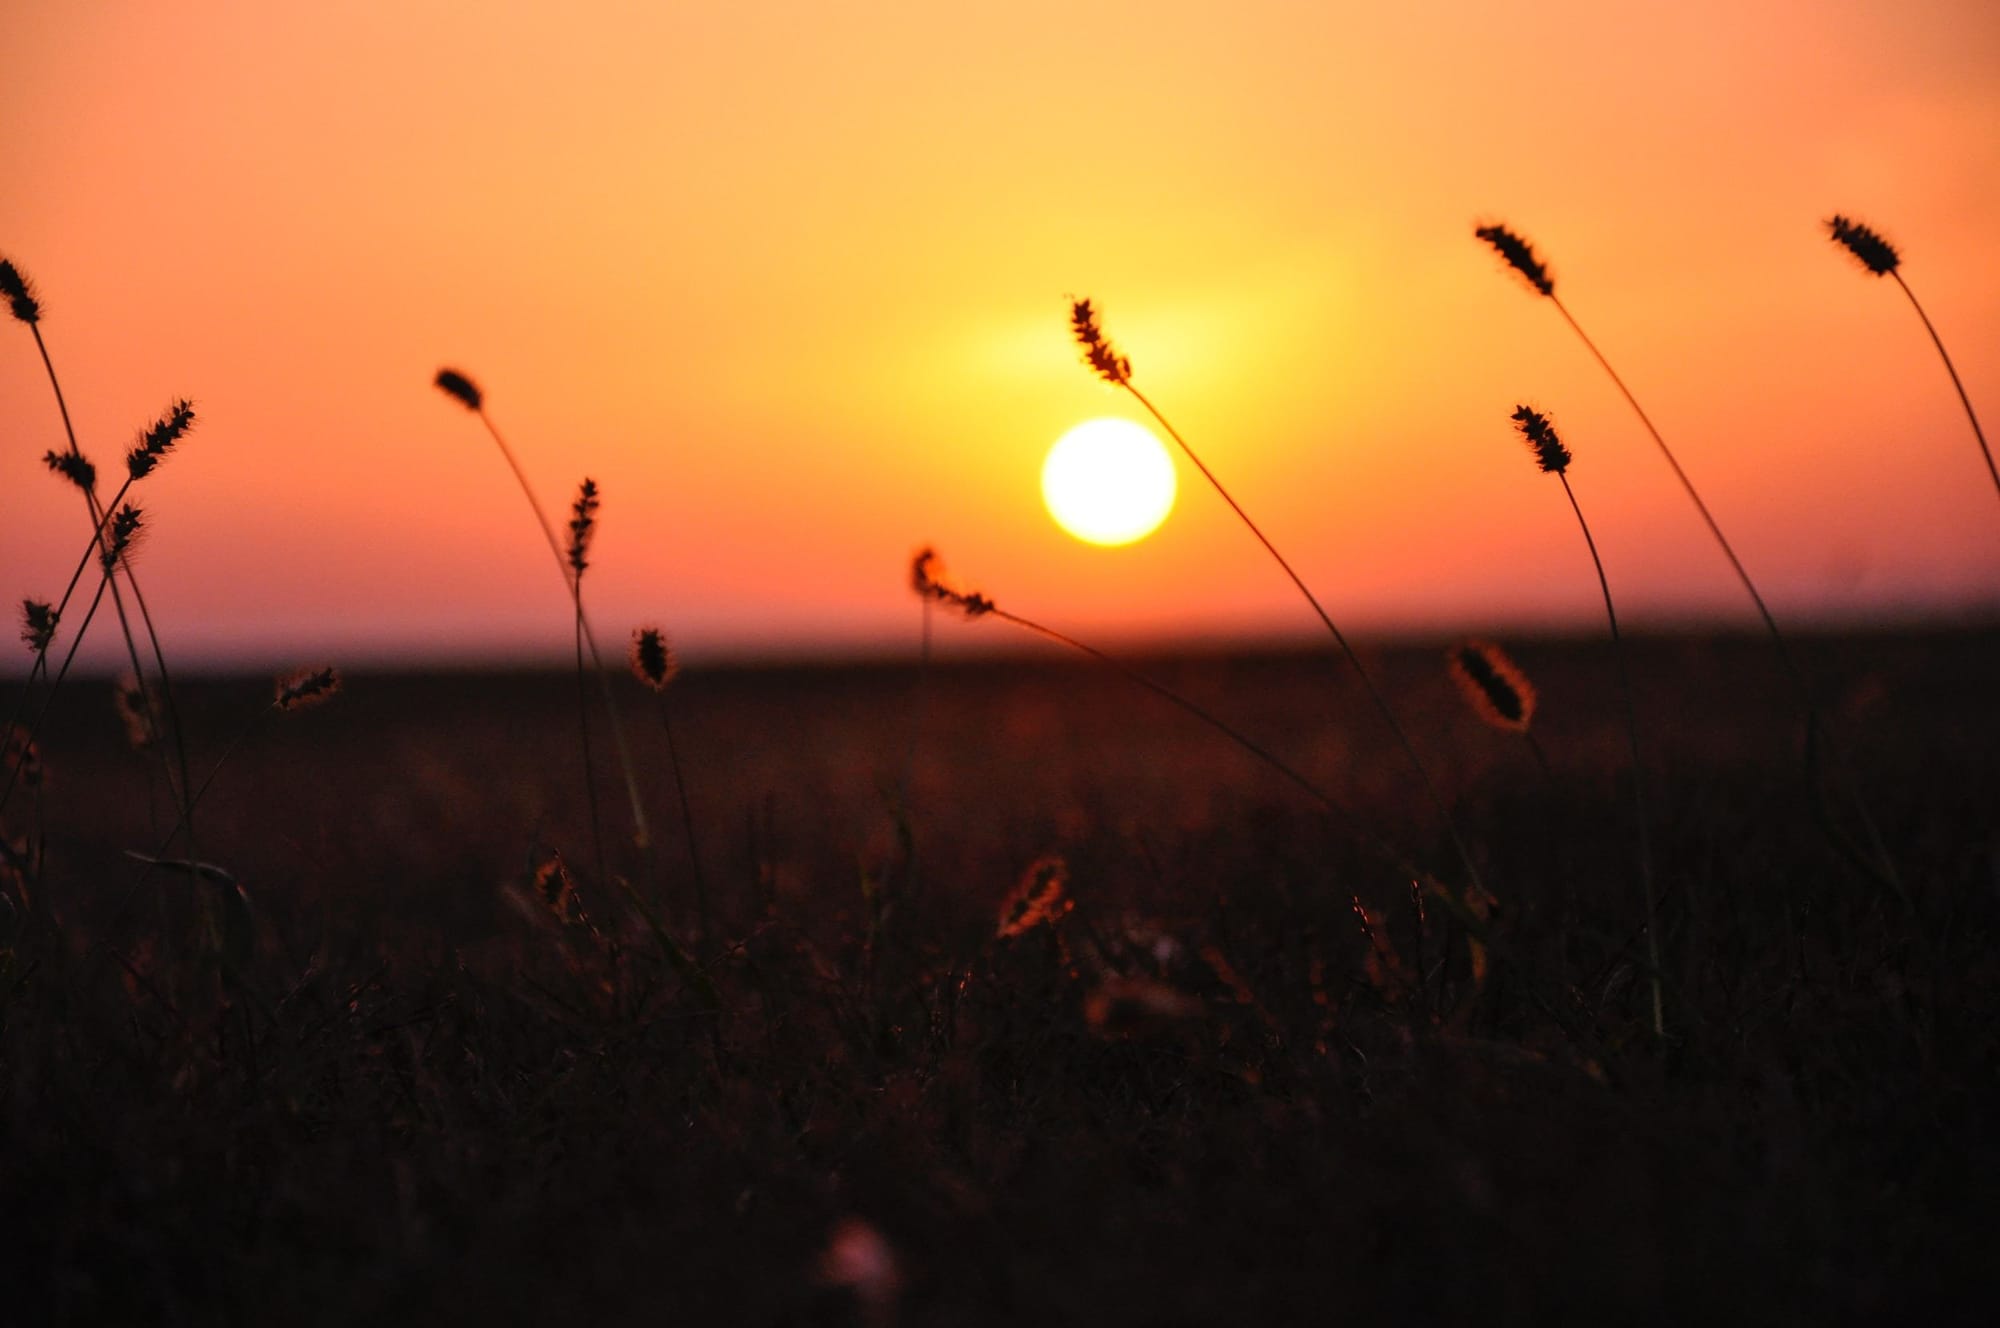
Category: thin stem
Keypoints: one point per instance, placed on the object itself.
(1883, 869)
(1340, 814)
(1374, 694)
(99, 517)
(1963, 400)
(1742, 575)
(1632, 738)
(687, 825)
(54, 687)
(589, 763)
(641, 835)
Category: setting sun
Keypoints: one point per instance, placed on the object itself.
(1108, 482)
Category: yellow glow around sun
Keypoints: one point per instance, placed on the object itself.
(1108, 482)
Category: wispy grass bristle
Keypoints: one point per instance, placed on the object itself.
(456, 385)
(74, 467)
(1876, 254)
(1550, 454)
(121, 535)
(927, 579)
(309, 687)
(653, 660)
(582, 525)
(1098, 351)
(1520, 256)
(1498, 691)
(38, 624)
(159, 440)
(20, 293)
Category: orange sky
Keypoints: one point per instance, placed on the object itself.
(788, 281)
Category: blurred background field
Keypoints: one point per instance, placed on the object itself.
(424, 1099)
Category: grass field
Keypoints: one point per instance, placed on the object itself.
(1251, 1076)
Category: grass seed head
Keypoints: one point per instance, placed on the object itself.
(74, 467)
(1520, 255)
(1040, 898)
(1876, 254)
(38, 624)
(20, 293)
(582, 525)
(19, 752)
(1550, 454)
(927, 579)
(159, 440)
(1098, 351)
(1127, 1007)
(556, 889)
(653, 661)
(457, 386)
(134, 703)
(307, 687)
(121, 535)
(1498, 691)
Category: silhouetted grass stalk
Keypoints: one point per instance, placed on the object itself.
(26, 308)
(1879, 257)
(1554, 458)
(1521, 256)
(463, 390)
(1116, 370)
(654, 664)
(925, 577)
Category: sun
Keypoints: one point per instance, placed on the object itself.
(1108, 482)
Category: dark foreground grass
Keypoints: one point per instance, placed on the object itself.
(427, 1099)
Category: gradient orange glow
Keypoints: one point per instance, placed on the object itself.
(788, 281)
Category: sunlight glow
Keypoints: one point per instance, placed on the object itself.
(1108, 482)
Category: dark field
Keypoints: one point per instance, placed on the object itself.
(420, 1095)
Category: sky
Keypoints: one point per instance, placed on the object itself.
(790, 282)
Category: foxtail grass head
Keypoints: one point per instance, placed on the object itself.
(1876, 254)
(134, 702)
(1520, 256)
(1098, 352)
(19, 753)
(1137, 1007)
(582, 525)
(308, 687)
(556, 889)
(927, 579)
(159, 439)
(653, 661)
(460, 388)
(1040, 898)
(1498, 691)
(121, 535)
(38, 624)
(1550, 454)
(74, 467)
(20, 293)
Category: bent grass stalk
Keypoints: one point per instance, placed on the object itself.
(1116, 369)
(655, 666)
(463, 390)
(1553, 458)
(1521, 256)
(25, 306)
(582, 524)
(1880, 258)
(926, 579)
